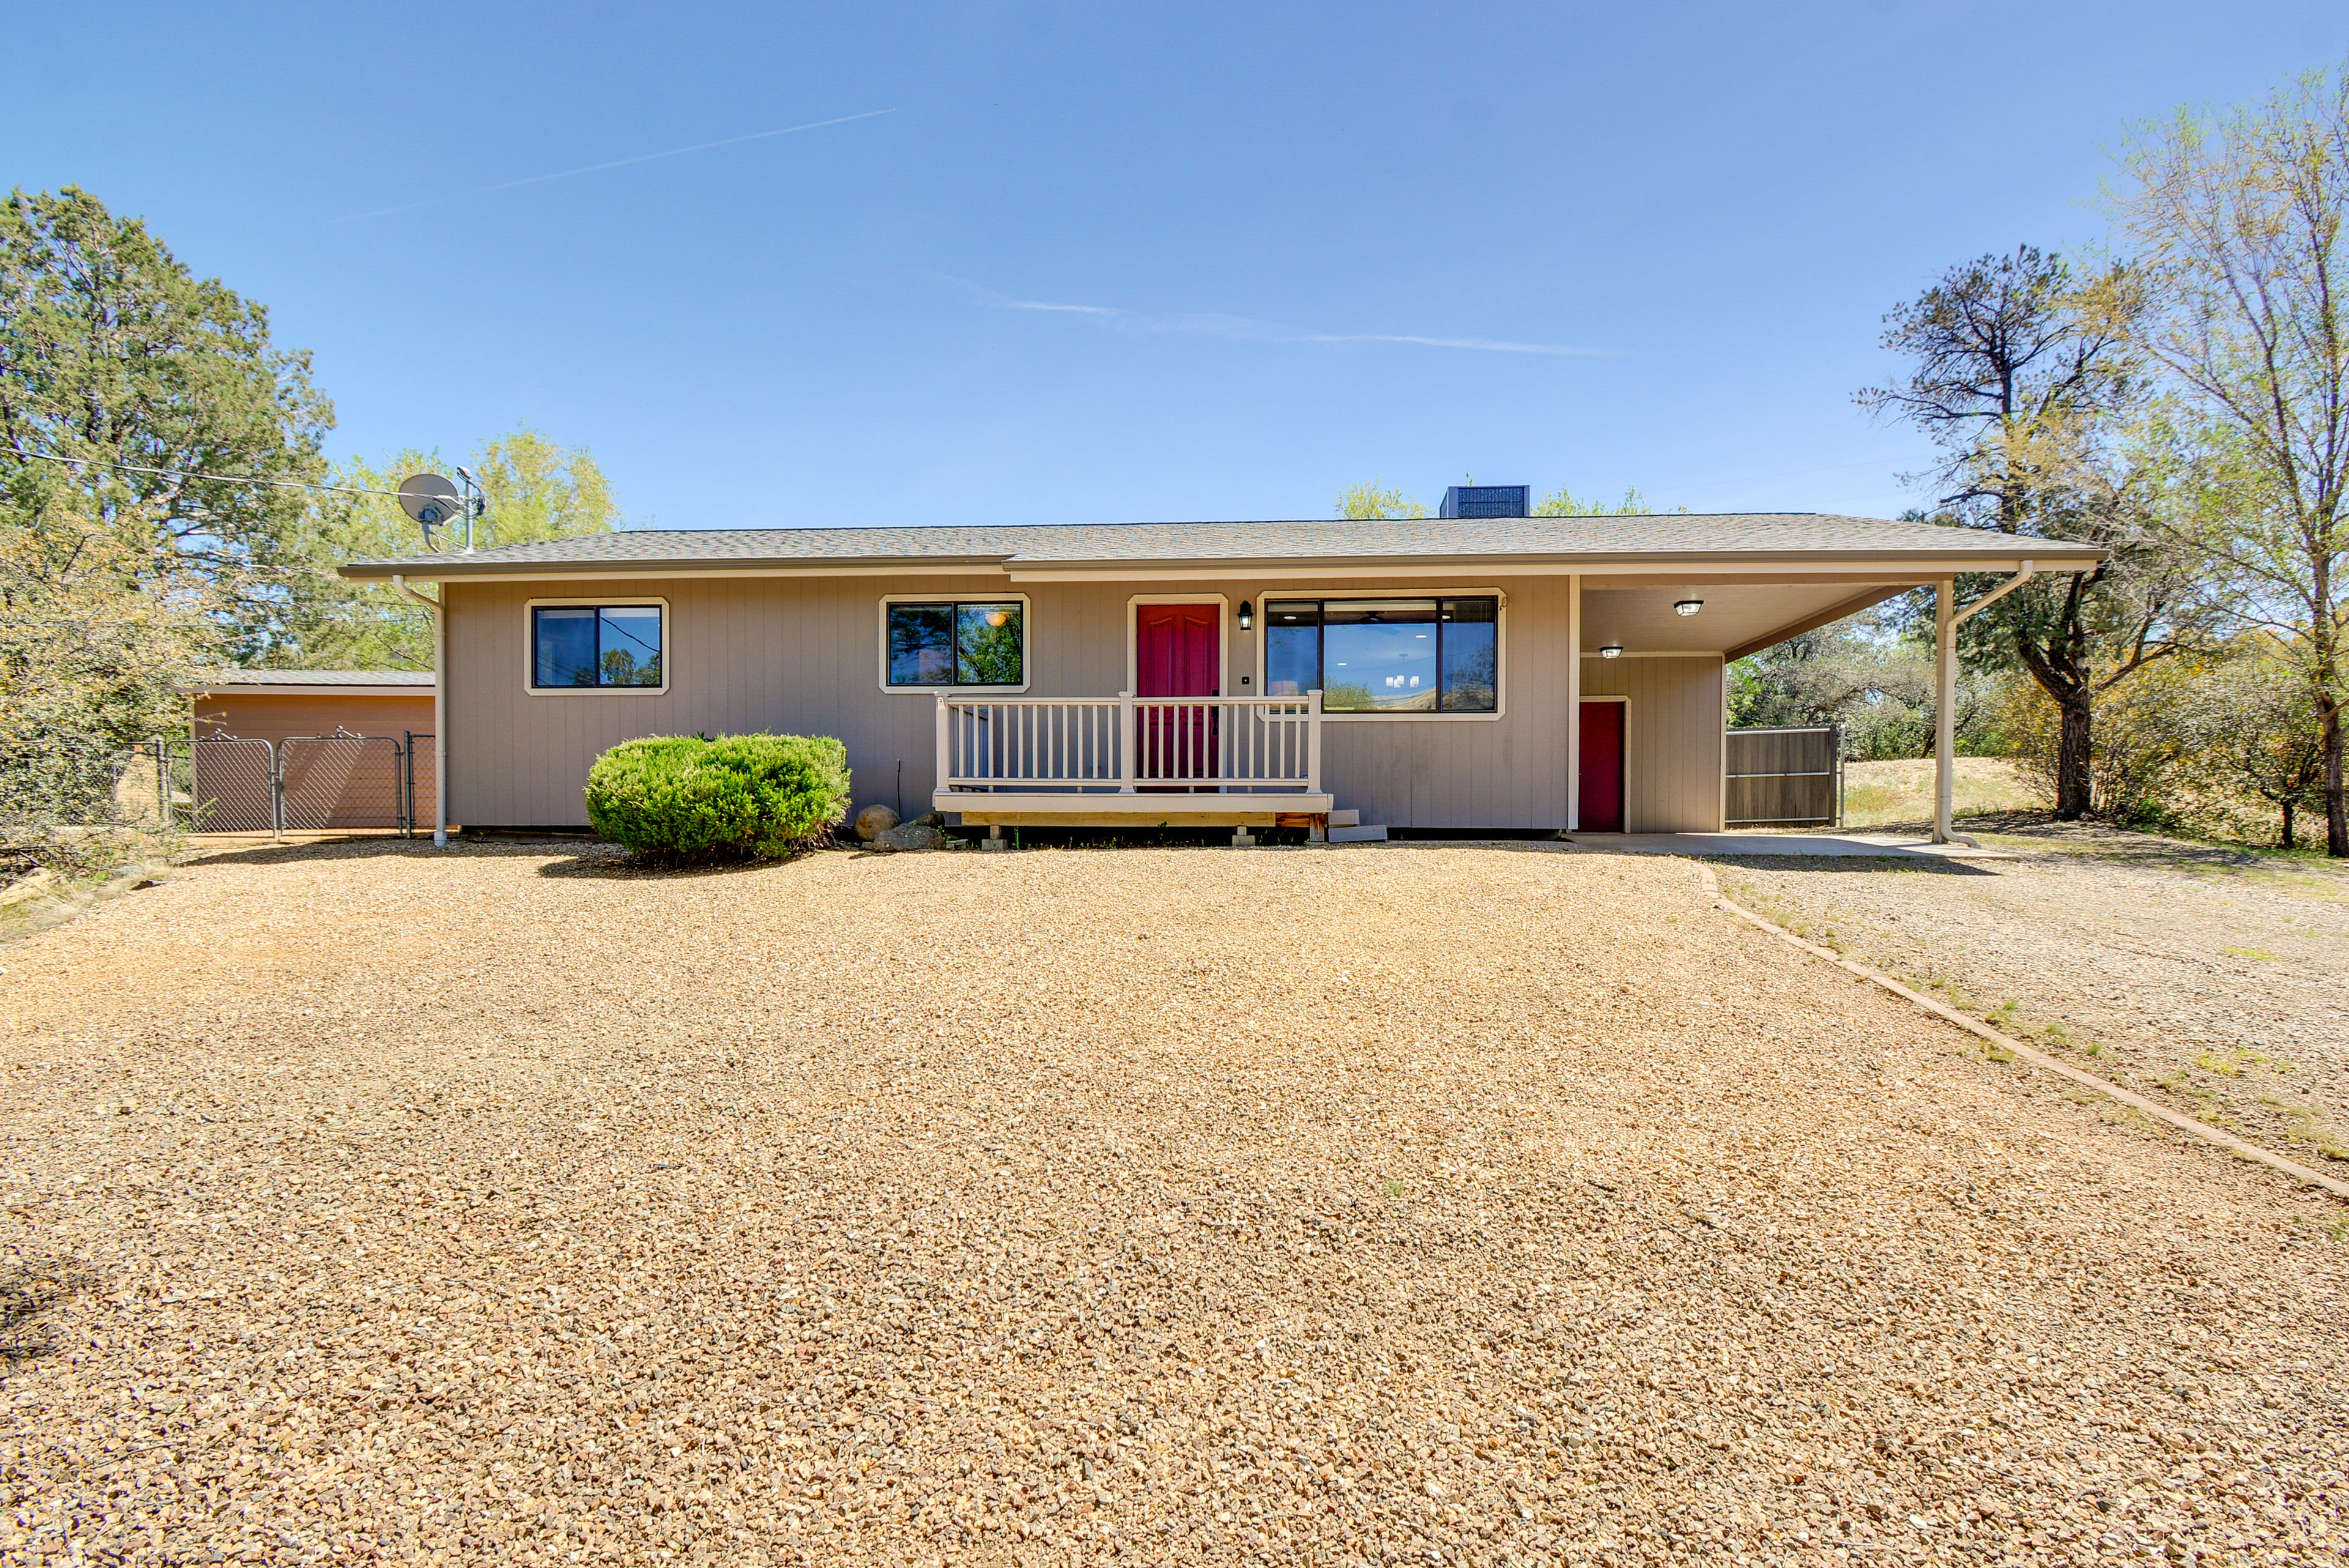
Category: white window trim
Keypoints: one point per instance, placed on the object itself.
(1027, 643)
(1223, 634)
(1500, 647)
(529, 608)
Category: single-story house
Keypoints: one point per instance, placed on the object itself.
(311, 749)
(1502, 673)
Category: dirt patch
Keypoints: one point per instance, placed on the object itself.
(1376, 1203)
(2214, 977)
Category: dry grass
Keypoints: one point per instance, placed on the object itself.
(1374, 1204)
(1875, 794)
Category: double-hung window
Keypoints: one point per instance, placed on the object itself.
(1385, 656)
(972, 642)
(576, 646)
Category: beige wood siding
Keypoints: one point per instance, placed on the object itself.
(1674, 737)
(803, 655)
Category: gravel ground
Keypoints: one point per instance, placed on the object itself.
(2214, 978)
(1443, 1204)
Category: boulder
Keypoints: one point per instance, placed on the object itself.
(874, 821)
(912, 835)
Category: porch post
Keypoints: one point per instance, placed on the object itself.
(1574, 703)
(1127, 742)
(1313, 741)
(1945, 704)
(946, 746)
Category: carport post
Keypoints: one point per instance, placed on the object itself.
(1945, 704)
(1574, 702)
(1947, 618)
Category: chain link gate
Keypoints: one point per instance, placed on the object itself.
(233, 786)
(308, 784)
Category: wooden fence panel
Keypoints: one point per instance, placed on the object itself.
(1784, 777)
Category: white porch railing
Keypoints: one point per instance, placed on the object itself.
(1124, 744)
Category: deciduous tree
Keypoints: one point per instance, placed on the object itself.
(536, 488)
(2241, 297)
(2035, 405)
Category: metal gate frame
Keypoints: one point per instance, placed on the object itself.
(274, 776)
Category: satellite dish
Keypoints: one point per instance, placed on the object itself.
(429, 499)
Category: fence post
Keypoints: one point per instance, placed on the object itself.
(277, 791)
(162, 789)
(1127, 743)
(1313, 741)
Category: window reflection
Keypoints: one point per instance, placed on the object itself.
(591, 645)
(1385, 656)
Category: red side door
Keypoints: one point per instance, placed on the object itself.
(1602, 768)
(1177, 652)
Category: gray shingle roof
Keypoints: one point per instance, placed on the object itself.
(213, 680)
(1713, 536)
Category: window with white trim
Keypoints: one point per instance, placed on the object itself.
(575, 646)
(960, 642)
(1385, 655)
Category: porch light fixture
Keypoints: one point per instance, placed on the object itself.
(1688, 607)
(1247, 615)
(1612, 650)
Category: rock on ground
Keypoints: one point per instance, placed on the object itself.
(1371, 1204)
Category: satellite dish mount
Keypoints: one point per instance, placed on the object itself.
(432, 501)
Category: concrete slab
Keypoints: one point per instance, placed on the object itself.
(1880, 844)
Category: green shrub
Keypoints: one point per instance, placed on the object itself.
(684, 798)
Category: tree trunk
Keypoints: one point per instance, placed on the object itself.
(2289, 842)
(2336, 820)
(2073, 775)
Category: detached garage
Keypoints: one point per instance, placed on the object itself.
(310, 749)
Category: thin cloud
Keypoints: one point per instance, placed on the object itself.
(1246, 329)
(614, 163)
(1066, 310)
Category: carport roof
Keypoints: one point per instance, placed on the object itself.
(1756, 540)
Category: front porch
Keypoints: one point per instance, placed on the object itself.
(1132, 762)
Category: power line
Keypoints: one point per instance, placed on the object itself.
(216, 478)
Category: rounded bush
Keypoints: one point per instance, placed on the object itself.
(678, 799)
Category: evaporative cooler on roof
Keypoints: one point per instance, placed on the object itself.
(1488, 500)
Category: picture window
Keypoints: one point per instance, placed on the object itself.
(961, 643)
(1385, 656)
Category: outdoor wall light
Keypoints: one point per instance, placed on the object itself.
(1612, 650)
(1247, 615)
(1688, 607)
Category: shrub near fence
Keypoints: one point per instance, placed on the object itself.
(680, 799)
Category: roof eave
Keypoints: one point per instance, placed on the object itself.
(2046, 555)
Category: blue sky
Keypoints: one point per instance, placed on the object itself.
(1118, 261)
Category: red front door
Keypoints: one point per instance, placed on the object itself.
(1602, 768)
(1177, 652)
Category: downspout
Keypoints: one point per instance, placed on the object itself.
(439, 708)
(1945, 702)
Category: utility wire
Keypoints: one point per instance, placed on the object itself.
(217, 478)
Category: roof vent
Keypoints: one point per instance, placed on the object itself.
(1488, 500)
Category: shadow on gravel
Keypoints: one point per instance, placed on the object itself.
(1877, 865)
(304, 851)
(2125, 846)
(605, 862)
(28, 1292)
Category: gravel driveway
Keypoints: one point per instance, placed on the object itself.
(2214, 978)
(1367, 1204)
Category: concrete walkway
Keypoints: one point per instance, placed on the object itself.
(1894, 846)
